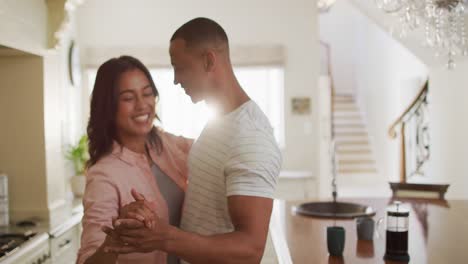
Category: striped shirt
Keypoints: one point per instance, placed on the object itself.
(235, 154)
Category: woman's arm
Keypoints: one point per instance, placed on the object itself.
(101, 205)
(103, 257)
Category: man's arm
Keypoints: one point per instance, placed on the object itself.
(250, 216)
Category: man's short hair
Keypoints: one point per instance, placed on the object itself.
(200, 31)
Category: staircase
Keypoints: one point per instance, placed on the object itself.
(355, 161)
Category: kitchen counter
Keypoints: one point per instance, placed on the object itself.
(438, 233)
(44, 226)
(55, 242)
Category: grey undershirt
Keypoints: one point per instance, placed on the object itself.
(174, 197)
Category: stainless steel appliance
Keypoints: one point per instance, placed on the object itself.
(24, 248)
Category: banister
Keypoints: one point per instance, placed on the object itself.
(391, 131)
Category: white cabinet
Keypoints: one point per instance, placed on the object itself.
(65, 241)
(296, 185)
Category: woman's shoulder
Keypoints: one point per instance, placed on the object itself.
(107, 166)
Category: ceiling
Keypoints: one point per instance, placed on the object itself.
(413, 41)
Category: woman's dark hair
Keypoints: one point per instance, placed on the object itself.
(104, 102)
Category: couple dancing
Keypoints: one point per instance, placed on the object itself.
(152, 197)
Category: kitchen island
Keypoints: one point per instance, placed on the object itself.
(438, 233)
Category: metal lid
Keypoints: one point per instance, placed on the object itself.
(397, 209)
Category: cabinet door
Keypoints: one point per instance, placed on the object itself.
(64, 248)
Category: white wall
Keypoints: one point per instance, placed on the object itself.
(40, 192)
(23, 25)
(382, 72)
(387, 79)
(292, 24)
(387, 74)
(449, 129)
(337, 29)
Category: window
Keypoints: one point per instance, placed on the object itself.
(264, 84)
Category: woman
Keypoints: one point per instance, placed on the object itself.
(127, 152)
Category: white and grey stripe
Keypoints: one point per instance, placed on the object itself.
(235, 155)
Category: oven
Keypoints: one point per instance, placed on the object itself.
(25, 248)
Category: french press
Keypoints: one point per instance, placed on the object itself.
(396, 248)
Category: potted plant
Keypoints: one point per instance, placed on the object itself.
(78, 155)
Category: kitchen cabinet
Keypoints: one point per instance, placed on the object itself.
(65, 241)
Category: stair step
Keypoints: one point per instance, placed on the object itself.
(356, 162)
(346, 114)
(354, 156)
(355, 151)
(350, 125)
(352, 148)
(338, 122)
(350, 133)
(340, 143)
(347, 138)
(344, 103)
(356, 169)
(338, 95)
(351, 129)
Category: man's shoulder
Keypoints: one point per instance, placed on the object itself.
(252, 120)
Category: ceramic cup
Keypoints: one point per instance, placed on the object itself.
(365, 228)
(335, 240)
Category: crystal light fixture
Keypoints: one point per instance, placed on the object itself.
(324, 5)
(443, 22)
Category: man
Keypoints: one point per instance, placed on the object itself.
(233, 165)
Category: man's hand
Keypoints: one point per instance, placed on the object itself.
(112, 238)
(136, 237)
(139, 210)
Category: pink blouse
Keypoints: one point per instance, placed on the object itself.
(108, 186)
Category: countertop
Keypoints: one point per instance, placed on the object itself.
(45, 226)
(438, 233)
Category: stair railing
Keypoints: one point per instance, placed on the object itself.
(414, 135)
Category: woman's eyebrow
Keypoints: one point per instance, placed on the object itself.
(126, 91)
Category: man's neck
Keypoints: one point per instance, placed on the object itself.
(230, 97)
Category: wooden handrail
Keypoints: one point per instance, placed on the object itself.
(391, 131)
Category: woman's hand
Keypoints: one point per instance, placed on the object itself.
(140, 210)
(136, 237)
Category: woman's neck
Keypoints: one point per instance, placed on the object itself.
(134, 144)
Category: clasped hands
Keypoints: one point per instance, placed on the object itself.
(137, 229)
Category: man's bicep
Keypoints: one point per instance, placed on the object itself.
(251, 215)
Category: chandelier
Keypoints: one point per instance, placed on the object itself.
(443, 22)
(324, 5)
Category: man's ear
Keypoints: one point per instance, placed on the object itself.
(210, 60)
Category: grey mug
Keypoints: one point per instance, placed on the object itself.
(365, 228)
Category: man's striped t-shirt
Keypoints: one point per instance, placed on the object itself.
(235, 154)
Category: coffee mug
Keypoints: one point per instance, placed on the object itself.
(335, 240)
(365, 228)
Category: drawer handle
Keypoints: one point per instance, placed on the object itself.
(66, 242)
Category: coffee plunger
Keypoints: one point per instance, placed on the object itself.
(396, 247)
